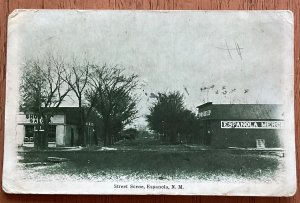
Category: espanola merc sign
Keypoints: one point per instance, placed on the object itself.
(253, 124)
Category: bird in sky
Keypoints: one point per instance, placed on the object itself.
(246, 91)
(185, 89)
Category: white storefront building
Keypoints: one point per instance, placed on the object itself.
(62, 131)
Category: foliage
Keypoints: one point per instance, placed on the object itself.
(170, 118)
(110, 92)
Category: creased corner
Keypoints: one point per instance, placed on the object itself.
(288, 16)
(8, 186)
(15, 13)
(291, 190)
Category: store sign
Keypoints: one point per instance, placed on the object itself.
(204, 113)
(34, 118)
(253, 124)
(30, 118)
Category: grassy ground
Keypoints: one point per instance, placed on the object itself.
(135, 161)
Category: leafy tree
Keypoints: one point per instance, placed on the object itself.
(189, 128)
(169, 117)
(42, 91)
(111, 93)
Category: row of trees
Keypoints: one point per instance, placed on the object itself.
(169, 117)
(102, 89)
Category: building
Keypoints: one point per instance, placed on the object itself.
(63, 130)
(241, 125)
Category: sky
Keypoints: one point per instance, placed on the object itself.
(221, 57)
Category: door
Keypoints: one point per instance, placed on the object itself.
(72, 137)
(207, 132)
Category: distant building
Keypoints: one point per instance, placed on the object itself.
(241, 125)
(63, 128)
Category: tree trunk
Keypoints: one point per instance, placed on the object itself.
(110, 136)
(44, 136)
(173, 136)
(41, 137)
(105, 138)
(105, 132)
(95, 136)
(81, 133)
(36, 140)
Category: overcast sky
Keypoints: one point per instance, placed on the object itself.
(242, 56)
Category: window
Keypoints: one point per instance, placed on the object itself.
(29, 131)
(52, 133)
(260, 144)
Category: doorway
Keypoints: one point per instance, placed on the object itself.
(72, 137)
(207, 133)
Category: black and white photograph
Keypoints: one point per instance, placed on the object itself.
(150, 102)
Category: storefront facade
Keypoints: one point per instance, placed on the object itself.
(62, 132)
(241, 125)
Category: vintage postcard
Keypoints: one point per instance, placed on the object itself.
(150, 102)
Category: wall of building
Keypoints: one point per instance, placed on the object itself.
(20, 134)
(69, 141)
(235, 131)
(30, 119)
(243, 138)
(60, 132)
(65, 122)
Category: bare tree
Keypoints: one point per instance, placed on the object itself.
(111, 93)
(76, 76)
(42, 91)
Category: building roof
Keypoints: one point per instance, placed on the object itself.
(242, 111)
(73, 114)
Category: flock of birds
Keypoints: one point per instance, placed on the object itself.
(223, 90)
